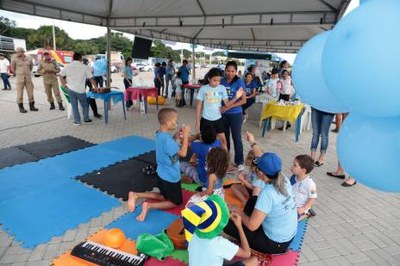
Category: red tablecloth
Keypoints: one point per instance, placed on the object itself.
(191, 86)
(133, 93)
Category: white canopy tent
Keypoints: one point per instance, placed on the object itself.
(281, 26)
(263, 25)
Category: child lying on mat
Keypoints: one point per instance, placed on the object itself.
(203, 224)
(304, 187)
(197, 173)
(167, 157)
(251, 185)
(217, 165)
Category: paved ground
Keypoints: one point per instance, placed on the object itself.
(354, 225)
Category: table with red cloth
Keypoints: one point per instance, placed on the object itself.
(141, 93)
(192, 88)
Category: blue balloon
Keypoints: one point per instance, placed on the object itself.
(360, 63)
(369, 150)
(308, 79)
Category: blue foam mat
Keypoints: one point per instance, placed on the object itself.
(129, 146)
(299, 237)
(21, 179)
(156, 221)
(37, 217)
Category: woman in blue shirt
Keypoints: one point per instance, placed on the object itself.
(251, 92)
(269, 219)
(128, 74)
(233, 115)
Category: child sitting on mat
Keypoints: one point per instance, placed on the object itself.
(251, 185)
(169, 175)
(217, 165)
(304, 187)
(203, 224)
(196, 171)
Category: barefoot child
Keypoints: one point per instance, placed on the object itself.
(304, 188)
(217, 165)
(203, 224)
(167, 157)
(251, 184)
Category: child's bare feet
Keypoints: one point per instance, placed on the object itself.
(145, 207)
(131, 201)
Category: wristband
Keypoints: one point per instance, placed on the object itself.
(253, 144)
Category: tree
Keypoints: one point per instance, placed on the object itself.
(160, 50)
(43, 37)
(6, 26)
(85, 47)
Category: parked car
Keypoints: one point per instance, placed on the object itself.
(143, 67)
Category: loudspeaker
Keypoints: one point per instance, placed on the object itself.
(141, 48)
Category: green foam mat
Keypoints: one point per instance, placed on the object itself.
(181, 255)
(190, 187)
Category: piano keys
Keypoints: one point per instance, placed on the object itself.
(106, 256)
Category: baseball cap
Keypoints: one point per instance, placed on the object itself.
(269, 163)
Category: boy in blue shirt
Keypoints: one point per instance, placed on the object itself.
(167, 157)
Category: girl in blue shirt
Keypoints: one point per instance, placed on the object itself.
(233, 114)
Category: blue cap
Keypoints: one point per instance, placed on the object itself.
(269, 163)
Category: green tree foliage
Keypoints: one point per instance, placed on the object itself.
(43, 38)
(85, 47)
(220, 53)
(159, 49)
(6, 26)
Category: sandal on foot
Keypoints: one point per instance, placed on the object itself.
(349, 185)
(335, 175)
(318, 163)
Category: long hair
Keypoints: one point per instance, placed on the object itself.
(279, 184)
(217, 162)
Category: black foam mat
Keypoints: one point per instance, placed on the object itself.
(51, 147)
(13, 155)
(150, 157)
(120, 178)
(35, 151)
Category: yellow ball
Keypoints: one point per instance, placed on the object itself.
(152, 100)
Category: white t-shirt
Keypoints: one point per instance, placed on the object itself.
(210, 252)
(304, 190)
(178, 85)
(4, 64)
(287, 87)
(76, 74)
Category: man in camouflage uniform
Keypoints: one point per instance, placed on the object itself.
(49, 69)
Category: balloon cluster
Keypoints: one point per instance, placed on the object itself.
(355, 68)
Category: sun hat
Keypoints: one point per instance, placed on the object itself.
(206, 219)
(269, 163)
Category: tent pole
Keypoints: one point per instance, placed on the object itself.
(194, 61)
(108, 83)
